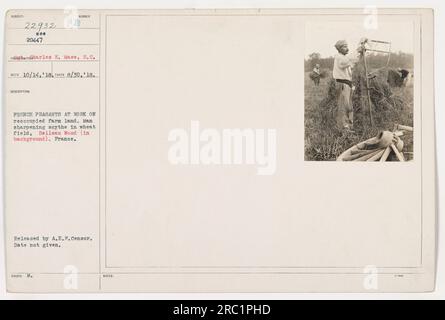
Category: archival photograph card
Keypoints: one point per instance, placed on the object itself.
(262, 150)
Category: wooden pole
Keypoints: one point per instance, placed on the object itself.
(407, 128)
(398, 153)
(385, 154)
(367, 87)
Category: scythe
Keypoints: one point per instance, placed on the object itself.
(366, 46)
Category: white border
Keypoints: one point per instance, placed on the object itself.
(437, 5)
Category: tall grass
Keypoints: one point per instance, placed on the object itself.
(325, 142)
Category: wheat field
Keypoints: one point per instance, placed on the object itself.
(324, 142)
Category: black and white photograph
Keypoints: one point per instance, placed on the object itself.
(191, 154)
(359, 91)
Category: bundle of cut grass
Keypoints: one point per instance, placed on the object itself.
(382, 98)
(386, 106)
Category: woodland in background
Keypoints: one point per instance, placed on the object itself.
(397, 60)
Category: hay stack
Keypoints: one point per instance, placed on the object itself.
(385, 105)
(394, 78)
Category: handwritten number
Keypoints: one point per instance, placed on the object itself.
(40, 25)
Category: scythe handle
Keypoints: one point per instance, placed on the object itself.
(379, 41)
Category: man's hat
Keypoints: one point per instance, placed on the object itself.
(340, 43)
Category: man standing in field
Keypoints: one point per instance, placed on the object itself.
(342, 73)
(316, 74)
(404, 75)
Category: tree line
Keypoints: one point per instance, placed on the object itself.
(375, 60)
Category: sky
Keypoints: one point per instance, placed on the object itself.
(321, 36)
